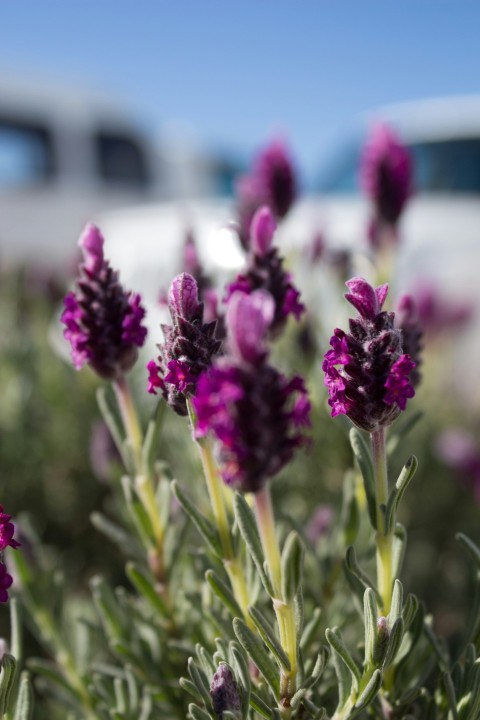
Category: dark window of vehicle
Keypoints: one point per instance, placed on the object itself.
(451, 166)
(121, 160)
(26, 154)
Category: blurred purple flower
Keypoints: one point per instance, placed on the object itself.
(224, 691)
(407, 319)
(272, 182)
(254, 412)
(385, 177)
(459, 450)
(320, 524)
(437, 313)
(103, 321)
(366, 372)
(7, 530)
(265, 272)
(6, 581)
(188, 347)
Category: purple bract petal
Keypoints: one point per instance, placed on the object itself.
(262, 230)
(91, 242)
(367, 300)
(248, 319)
(183, 297)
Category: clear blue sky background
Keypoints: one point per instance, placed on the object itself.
(239, 70)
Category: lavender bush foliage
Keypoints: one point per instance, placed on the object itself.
(230, 604)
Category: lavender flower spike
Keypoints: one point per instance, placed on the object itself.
(224, 692)
(188, 348)
(367, 374)
(254, 413)
(103, 321)
(265, 271)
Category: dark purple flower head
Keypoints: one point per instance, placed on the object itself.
(189, 344)
(7, 530)
(224, 691)
(103, 321)
(272, 182)
(386, 173)
(6, 581)
(366, 371)
(255, 414)
(408, 321)
(265, 272)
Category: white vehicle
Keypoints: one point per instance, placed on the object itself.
(67, 154)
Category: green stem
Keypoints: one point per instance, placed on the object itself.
(130, 420)
(215, 493)
(384, 540)
(284, 611)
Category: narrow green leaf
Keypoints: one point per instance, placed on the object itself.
(197, 713)
(474, 704)
(292, 566)
(395, 498)
(350, 515)
(149, 449)
(260, 706)
(268, 635)
(357, 579)
(16, 634)
(397, 602)
(49, 670)
(440, 648)
(242, 672)
(107, 606)
(394, 642)
(25, 699)
(336, 642)
(203, 525)
(311, 629)
(368, 695)
(450, 692)
(8, 665)
(189, 687)
(370, 610)
(200, 681)
(256, 649)
(223, 592)
(398, 549)
(137, 512)
(248, 528)
(363, 455)
(111, 530)
(145, 587)
(121, 696)
(299, 608)
(472, 549)
(410, 610)
(318, 668)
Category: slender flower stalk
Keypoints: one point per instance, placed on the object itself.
(384, 539)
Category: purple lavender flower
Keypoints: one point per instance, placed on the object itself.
(438, 313)
(7, 530)
(272, 182)
(459, 450)
(254, 412)
(407, 319)
(103, 321)
(6, 581)
(385, 177)
(188, 348)
(265, 271)
(224, 691)
(366, 372)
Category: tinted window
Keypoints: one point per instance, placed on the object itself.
(121, 160)
(26, 154)
(439, 166)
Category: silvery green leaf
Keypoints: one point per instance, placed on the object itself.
(474, 701)
(311, 629)
(137, 512)
(368, 695)
(163, 497)
(115, 533)
(450, 693)
(398, 549)
(223, 592)
(248, 528)
(203, 525)
(16, 633)
(256, 649)
(108, 609)
(397, 603)
(363, 455)
(404, 479)
(25, 699)
(121, 697)
(260, 706)
(200, 680)
(205, 660)
(292, 566)
(197, 713)
(341, 657)
(297, 697)
(410, 610)
(394, 642)
(299, 608)
(144, 586)
(357, 579)
(318, 668)
(350, 515)
(370, 610)
(268, 635)
(8, 666)
(149, 449)
(190, 687)
(242, 672)
(472, 549)
(49, 670)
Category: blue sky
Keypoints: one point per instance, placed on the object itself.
(239, 71)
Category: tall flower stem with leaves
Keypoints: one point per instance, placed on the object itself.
(384, 536)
